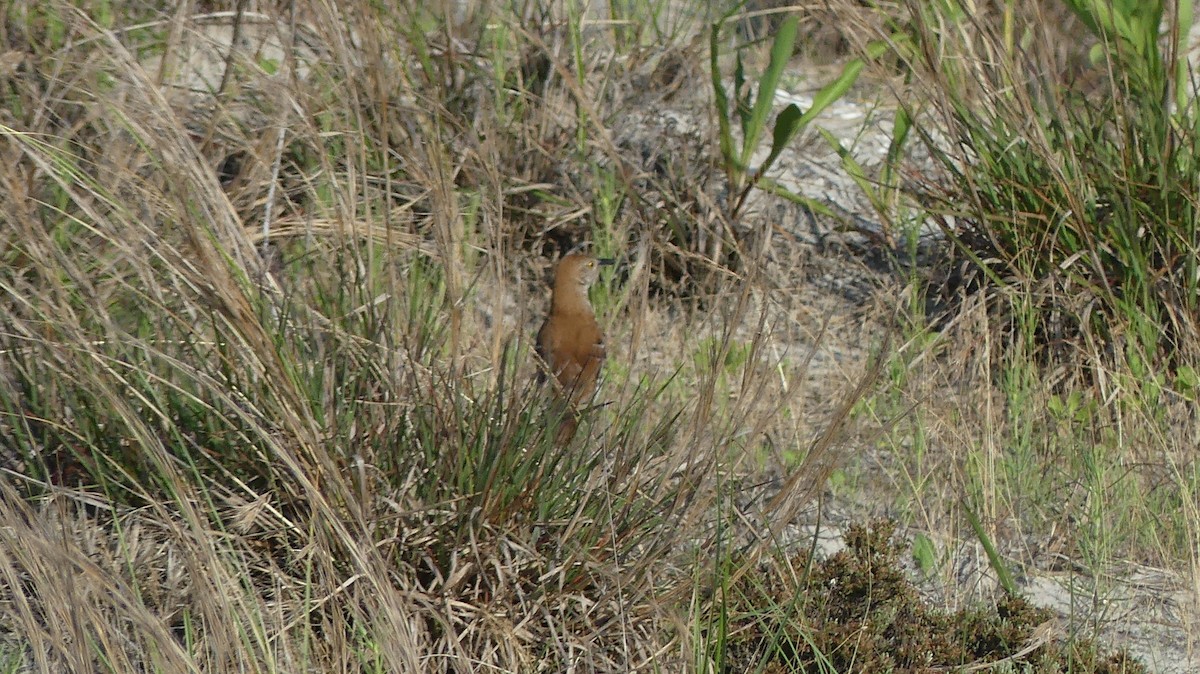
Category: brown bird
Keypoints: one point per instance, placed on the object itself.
(570, 343)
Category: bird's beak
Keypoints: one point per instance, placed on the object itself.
(606, 261)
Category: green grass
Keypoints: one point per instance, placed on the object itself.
(1073, 210)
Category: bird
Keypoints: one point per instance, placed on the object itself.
(570, 342)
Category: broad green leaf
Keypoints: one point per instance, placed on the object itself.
(836, 89)
(786, 126)
(781, 53)
(924, 554)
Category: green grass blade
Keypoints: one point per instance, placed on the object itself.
(1183, 22)
(1002, 574)
(818, 207)
(721, 98)
(901, 126)
(854, 170)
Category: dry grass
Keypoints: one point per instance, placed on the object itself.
(265, 376)
(265, 369)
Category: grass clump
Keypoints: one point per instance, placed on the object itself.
(265, 385)
(1079, 199)
(1065, 190)
(858, 611)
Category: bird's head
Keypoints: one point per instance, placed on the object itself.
(578, 269)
